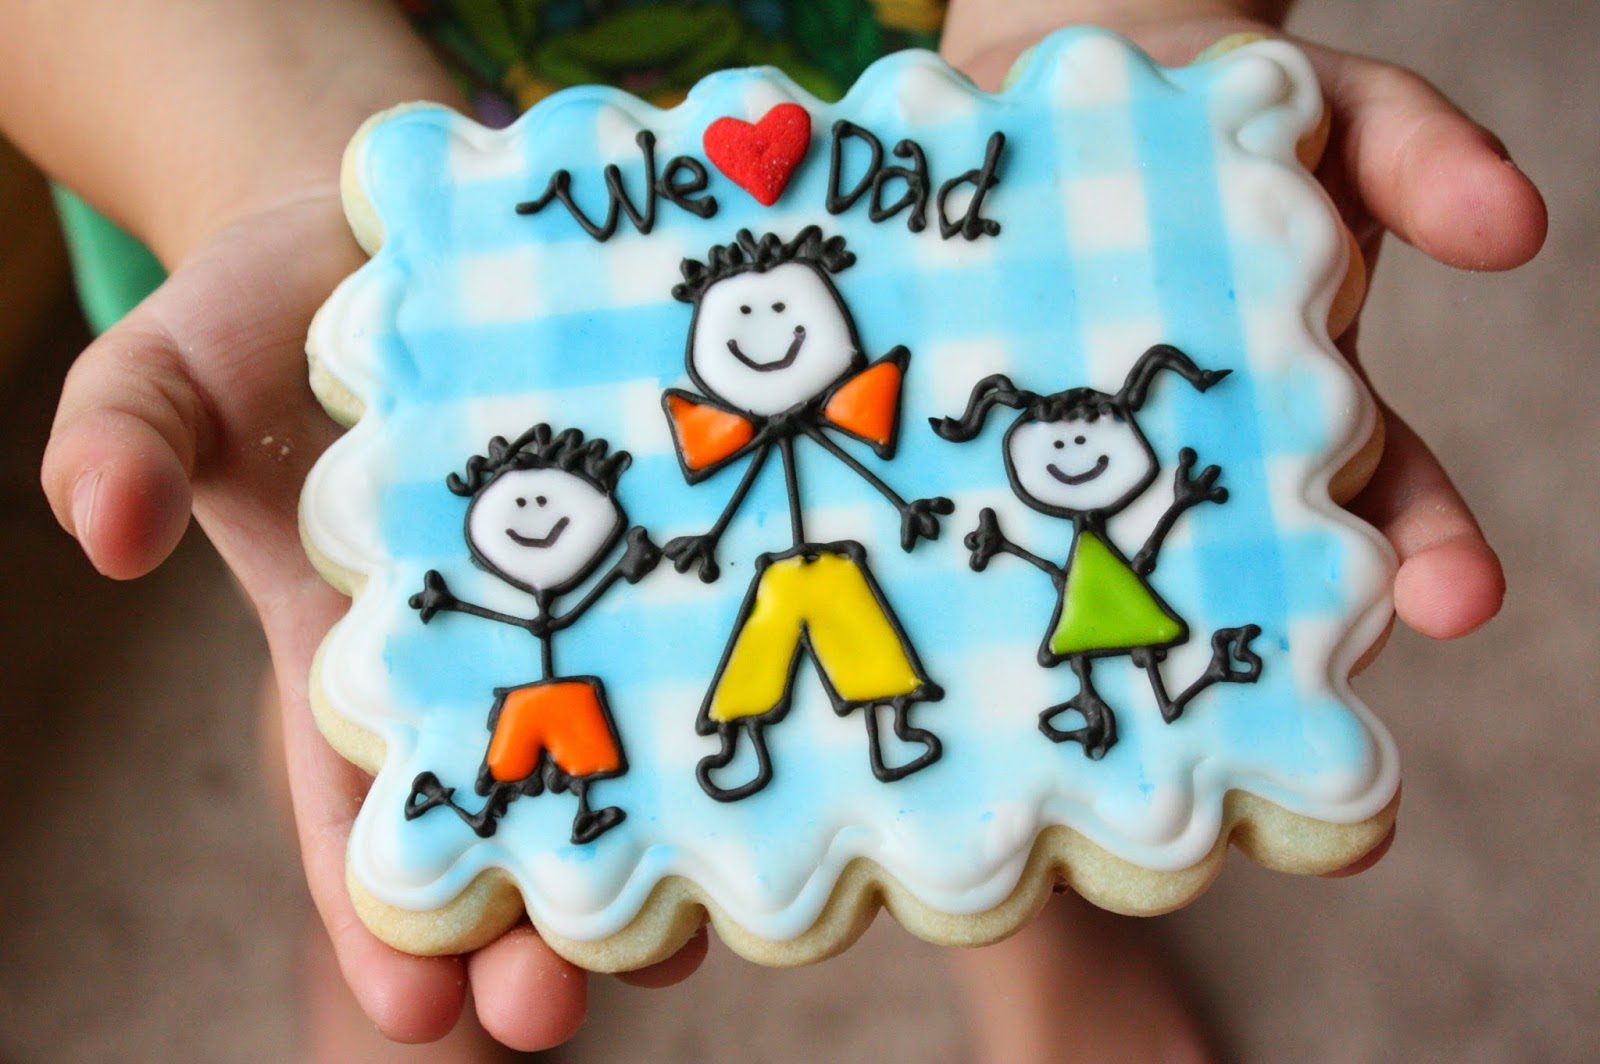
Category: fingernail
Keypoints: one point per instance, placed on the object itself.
(83, 495)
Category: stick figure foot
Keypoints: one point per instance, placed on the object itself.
(1232, 659)
(932, 748)
(1099, 731)
(590, 824)
(729, 734)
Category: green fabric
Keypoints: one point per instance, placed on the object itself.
(1107, 606)
(112, 269)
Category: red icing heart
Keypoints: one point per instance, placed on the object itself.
(760, 157)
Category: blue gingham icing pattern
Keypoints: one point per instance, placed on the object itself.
(1138, 205)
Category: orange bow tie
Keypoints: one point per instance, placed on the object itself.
(865, 405)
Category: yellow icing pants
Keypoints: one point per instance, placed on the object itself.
(826, 600)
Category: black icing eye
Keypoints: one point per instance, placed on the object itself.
(521, 501)
(777, 308)
(1060, 444)
(540, 500)
(1080, 440)
(744, 310)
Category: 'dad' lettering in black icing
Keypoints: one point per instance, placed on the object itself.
(877, 179)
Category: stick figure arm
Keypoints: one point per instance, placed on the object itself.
(987, 540)
(918, 518)
(1187, 492)
(1050, 569)
(637, 562)
(436, 597)
(700, 551)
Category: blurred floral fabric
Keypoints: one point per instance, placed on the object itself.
(510, 54)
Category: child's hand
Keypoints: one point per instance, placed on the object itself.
(1402, 158)
(201, 395)
(215, 132)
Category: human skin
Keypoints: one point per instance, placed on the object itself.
(214, 133)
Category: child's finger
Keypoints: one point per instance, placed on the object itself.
(123, 449)
(1425, 170)
(1450, 581)
(527, 997)
(410, 999)
(675, 969)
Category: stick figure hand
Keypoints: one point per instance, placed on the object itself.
(433, 597)
(985, 541)
(699, 552)
(1193, 490)
(640, 558)
(920, 518)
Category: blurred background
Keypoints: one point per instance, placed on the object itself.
(153, 907)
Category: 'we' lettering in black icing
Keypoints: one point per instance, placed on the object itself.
(679, 184)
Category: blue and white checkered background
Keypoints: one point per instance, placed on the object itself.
(1137, 205)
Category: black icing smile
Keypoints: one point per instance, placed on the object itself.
(767, 367)
(546, 540)
(1073, 480)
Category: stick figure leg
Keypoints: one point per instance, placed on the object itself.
(589, 824)
(932, 748)
(1232, 661)
(428, 793)
(729, 733)
(1099, 731)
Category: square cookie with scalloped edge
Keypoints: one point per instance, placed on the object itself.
(767, 510)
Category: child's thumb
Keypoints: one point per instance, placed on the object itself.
(123, 449)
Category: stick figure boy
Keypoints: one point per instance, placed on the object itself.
(773, 349)
(544, 514)
(1080, 455)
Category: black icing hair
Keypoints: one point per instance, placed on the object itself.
(542, 448)
(748, 252)
(1085, 403)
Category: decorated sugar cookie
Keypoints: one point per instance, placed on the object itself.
(765, 510)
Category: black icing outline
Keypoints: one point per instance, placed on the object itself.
(919, 518)
(664, 184)
(755, 724)
(591, 460)
(898, 356)
(917, 177)
(1233, 660)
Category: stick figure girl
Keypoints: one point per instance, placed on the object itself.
(773, 349)
(1080, 455)
(544, 513)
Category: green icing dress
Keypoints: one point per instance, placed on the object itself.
(1106, 607)
(510, 54)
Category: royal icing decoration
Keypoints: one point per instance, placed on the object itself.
(836, 360)
(543, 515)
(1079, 455)
(759, 157)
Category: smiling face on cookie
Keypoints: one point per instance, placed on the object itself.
(767, 340)
(542, 529)
(1085, 462)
